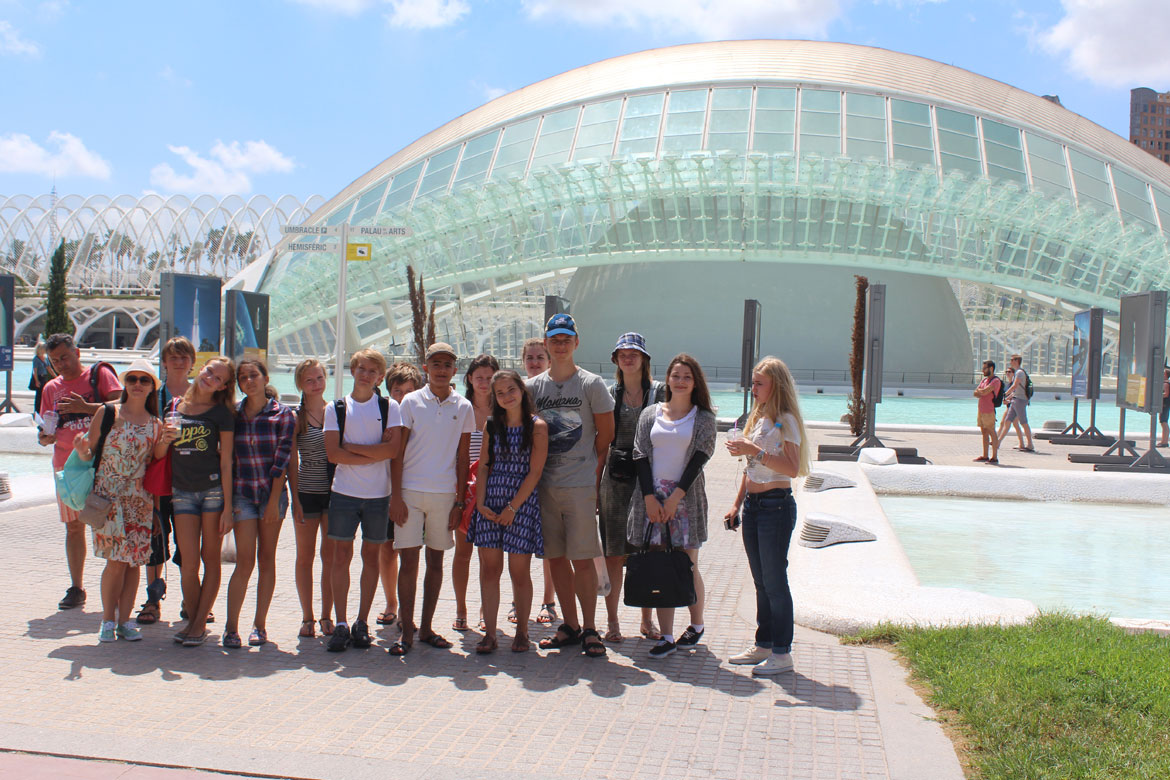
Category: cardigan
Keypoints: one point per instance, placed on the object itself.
(695, 501)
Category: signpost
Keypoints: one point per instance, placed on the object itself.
(345, 252)
(875, 336)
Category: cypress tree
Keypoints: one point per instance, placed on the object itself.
(57, 316)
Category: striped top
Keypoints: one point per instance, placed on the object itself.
(476, 441)
(313, 471)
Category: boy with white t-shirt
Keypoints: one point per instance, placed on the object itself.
(360, 443)
(428, 484)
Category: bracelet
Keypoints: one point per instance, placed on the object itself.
(460, 504)
(512, 508)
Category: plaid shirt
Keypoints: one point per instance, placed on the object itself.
(262, 449)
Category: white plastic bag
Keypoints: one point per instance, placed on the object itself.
(227, 553)
(603, 584)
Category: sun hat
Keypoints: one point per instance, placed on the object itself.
(140, 366)
(560, 323)
(629, 341)
(440, 348)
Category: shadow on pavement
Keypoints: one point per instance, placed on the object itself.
(811, 693)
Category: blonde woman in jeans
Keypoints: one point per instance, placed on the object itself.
(777, 451)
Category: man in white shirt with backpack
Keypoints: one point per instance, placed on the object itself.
(362, 432)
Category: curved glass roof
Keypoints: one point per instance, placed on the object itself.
(774, 169)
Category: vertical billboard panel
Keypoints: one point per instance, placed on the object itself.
(1140, 351)
(1086, 353)
(7, 321)
(189, 306)
(245, 318)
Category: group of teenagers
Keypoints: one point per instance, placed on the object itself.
(555, 464)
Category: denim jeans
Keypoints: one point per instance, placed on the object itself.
(768, 521)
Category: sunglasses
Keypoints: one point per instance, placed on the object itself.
(138, 379)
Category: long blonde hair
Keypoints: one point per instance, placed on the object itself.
(226, 395)
(298, 378)
(782, 400)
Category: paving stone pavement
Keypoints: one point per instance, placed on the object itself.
(291, 709)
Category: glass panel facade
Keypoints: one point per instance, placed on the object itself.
(865, 126)
(341, 215)
(515, 146)
(1162, 203)
(598, 127)
(913, 140)
(820, 122)
(730, 113)
(640, 124)
(1005, 156)
(1132, 197)
(957, 142)
(684, 121)
(775, 131)
(438, 175)
(367, 204)
(556, 138)
(1093, 191)
(402, 188)
(1046, 159)
(477, 156)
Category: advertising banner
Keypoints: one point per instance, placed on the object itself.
(1086, 353)
(189, 306)
(7, 321)
(245, 324)
(1140, 351)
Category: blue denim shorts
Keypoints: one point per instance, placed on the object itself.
(246, 509)
(346, 513)
(197, 502)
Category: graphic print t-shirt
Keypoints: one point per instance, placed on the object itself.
(568, 408)
(195, 454)
(70, 425)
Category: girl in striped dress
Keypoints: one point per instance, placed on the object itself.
(309, 479)
(507, 516)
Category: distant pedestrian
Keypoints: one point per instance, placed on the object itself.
(988, 388)
(1006, 424)
(42, 372)
(1164, 415)
(777, 449)
(1016, 397)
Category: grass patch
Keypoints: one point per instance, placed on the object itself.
(1062, 697)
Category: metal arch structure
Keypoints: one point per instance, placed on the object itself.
(118, 245)
(837, 211)
(989, 186)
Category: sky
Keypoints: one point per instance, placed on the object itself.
(301, 97)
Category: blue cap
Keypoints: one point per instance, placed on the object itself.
(560, 323)
(629, 341)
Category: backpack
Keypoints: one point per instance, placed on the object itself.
(1027, 384)
(339, 408)
(997, 397)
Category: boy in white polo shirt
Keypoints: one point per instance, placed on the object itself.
(427, 497)
(359, 440)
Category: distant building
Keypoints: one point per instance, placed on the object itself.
(1149, 121)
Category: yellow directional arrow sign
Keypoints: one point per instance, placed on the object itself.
(358, 251)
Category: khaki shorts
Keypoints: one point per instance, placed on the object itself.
(426, 521)
(986, 421)
(569, 522)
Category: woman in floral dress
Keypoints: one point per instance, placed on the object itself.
(124, 541)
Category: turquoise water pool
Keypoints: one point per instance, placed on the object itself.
(828, 407)
(1071, 556)
(19, 464)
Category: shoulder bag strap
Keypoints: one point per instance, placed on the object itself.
(339, 408)
(107, 423)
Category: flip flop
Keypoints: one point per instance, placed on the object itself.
(436, 641)
(613, 634)
(387, 618)
(398, 648)
(459, 624)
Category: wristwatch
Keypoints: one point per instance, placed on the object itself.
(460, 504)
(757, 459)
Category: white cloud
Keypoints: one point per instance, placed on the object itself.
(1113, 42)
(345, 7)
(52, 10)
(11, 42)
(707, 19)
(168, 75)
(225, 171)
(488, 91)
(62, 155)
(426, 14)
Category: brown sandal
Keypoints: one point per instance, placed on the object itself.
(149, 614)
(487, 645)
(307, 631)
(520, 643)
(326, 626)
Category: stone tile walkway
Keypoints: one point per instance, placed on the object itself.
(290, 709)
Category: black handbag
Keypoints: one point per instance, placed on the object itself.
(621, 464)
(660, 578)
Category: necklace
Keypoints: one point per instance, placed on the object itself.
(632, 400)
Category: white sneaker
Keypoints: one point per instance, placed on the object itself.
(751, 655)
(776, 663)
